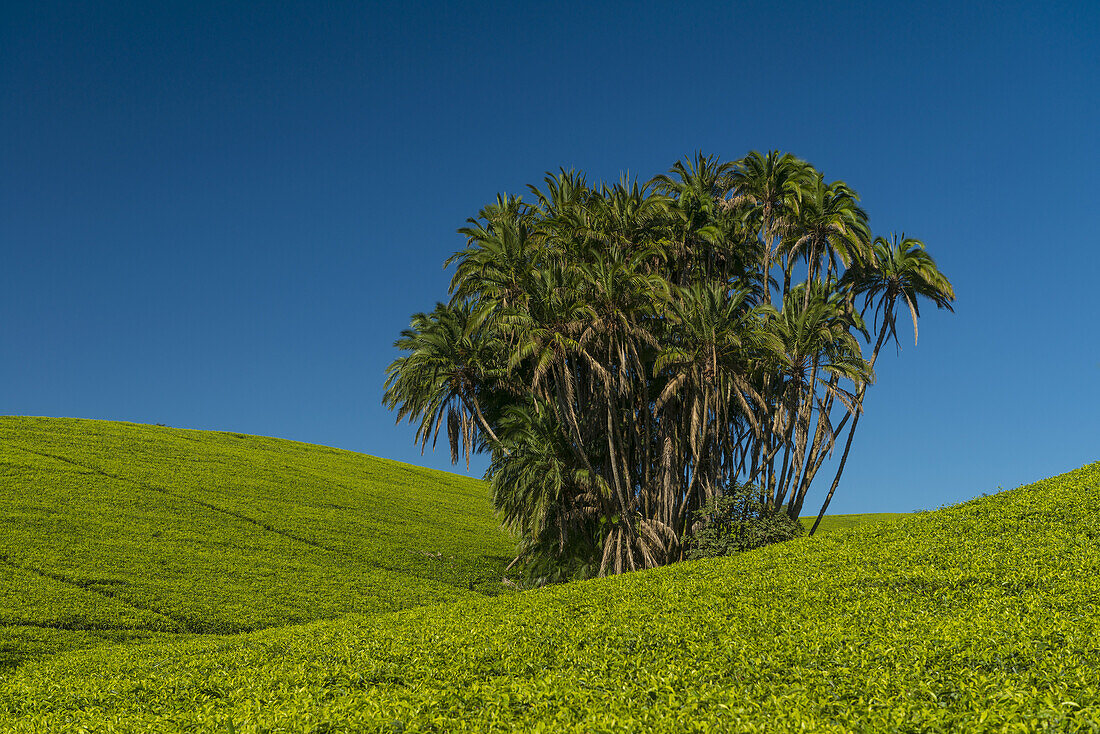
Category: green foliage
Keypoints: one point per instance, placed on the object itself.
(738, 521)
(136, 530)
(977, 618)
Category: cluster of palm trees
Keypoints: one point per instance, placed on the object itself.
(625, 353)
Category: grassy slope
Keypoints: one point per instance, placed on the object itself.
(981, 617)
(110, 531)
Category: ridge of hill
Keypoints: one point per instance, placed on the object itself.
(980, 617)
(113, 531)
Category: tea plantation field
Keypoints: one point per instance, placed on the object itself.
(113, 531)
(984, 617)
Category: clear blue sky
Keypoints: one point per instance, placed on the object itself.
(221, 217)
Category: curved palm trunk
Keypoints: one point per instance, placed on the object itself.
(855, 420)
(840, 469)
(472, 403)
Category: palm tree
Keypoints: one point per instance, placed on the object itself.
(708, 239)
(540, 495)
(896, 270)
(500, 255)
(824, 227)
(825, 222)
(452, 356)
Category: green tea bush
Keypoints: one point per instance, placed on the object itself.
(983, 617)
(738, 521)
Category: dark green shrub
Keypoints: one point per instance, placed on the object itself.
(738, 521)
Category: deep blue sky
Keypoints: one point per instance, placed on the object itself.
(221, 217)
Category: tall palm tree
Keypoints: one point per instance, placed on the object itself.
(716, 334)
(896, 271)
(825, 223)
(500, 255)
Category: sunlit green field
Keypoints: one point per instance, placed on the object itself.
(980, 617)
(114, 531)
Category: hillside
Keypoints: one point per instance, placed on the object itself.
(980, 617)
(115, 531)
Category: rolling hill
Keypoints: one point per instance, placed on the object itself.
(114, 531)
